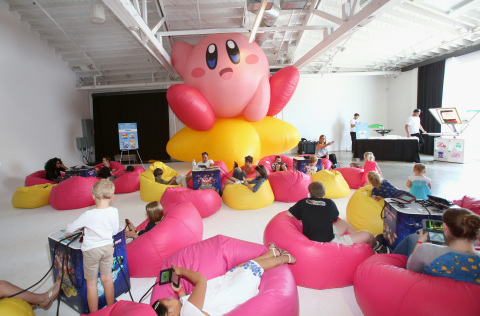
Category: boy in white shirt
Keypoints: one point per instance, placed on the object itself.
(99, 225)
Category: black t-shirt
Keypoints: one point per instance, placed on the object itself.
(317, 216)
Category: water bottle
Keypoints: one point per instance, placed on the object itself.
(194, 165)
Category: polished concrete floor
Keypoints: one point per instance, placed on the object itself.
(24, 232)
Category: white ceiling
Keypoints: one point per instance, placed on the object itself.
(132, 47)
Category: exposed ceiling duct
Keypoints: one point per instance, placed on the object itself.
(273, 10)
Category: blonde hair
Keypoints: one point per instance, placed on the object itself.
(154, 211)
(316, 189)
(374, 179)
(369, 156)
(312, 159)
(103, 189)
(419, 167)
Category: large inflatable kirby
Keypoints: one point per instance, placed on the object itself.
(228, 78)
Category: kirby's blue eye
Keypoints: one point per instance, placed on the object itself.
(212, 56)
(233, 51)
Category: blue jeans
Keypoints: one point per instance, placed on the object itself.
(406, 246)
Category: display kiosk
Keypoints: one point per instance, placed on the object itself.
(74, 288)
(209, 178)
(401, 220)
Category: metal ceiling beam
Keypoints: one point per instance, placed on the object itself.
(367, 14)
(243, 30)
(130, 17)
(207, 6)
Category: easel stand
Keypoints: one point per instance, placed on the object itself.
(128, 154)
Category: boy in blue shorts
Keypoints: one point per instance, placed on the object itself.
(99, 225)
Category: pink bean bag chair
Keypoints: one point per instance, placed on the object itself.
(125, 308)
(353, 176)
(383, 286)
(289, 186)
(470, 203)
(268, 162)
(181, 226)
(73, 193)
(223, 172)
(319, 265)
(38, 177)
(215, 256)
(207, 201)
(128, 181)
(113, 165)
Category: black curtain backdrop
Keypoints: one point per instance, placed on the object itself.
(148, 109)
(429, 95)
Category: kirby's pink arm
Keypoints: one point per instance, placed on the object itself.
(282, 86)
(191, 107)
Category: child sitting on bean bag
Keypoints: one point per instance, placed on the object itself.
(155, 216)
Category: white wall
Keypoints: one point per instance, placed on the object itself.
(325, 105)
(402, 100)
(40, 107)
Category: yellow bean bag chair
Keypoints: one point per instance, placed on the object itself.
(33, 196)
(335, 185)
(150, 190)
(239, 197)
(15, 306)
(363, 212)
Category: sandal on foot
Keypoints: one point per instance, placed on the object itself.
(51, 296)
(272, 246)
(291, 259)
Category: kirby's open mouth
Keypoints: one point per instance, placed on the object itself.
(226, 73)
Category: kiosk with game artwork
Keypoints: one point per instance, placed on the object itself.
(450, 146)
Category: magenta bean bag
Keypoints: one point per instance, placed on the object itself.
(215, 256)
(125, 308)
(128, 181)
(470, 203)
(268, 161)
(113, 165)
(181, 226)
(207, 201)
(73, 193)
(38, 177)
(289, 186)
(353, 176)
(223, 172)
(319, 265)
(383, 286)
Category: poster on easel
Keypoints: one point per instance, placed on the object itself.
(362, 131)
(128, 136)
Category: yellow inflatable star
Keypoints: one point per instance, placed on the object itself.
(232, 139)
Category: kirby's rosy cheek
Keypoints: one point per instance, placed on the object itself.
(251, 59)
(198, 72)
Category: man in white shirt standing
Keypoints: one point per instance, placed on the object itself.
(353, 130)
(413, 127)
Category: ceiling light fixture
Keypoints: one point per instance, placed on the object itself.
(97, 13)
(258, 19)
